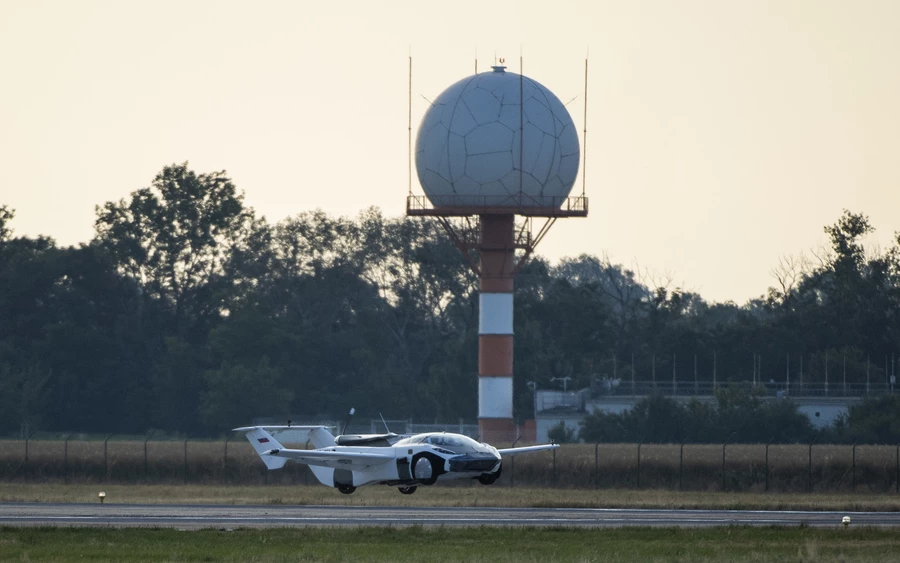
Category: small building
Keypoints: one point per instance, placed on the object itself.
(553, 407)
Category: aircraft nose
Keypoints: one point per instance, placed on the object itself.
(482, 461)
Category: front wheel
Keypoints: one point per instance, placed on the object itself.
(346, 489)
(490, 478)
(424, 470)
(407, 490)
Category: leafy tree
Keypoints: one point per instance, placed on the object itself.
(176, 237)
(601, 426)
(874, 421)
(184, 294)
(177, 383)
(6, 215)
(662, 419)
(657, 419)
(235, 395)
(756, 420)
(561, 434)
(24, 400)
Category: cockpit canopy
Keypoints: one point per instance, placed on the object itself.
(456, 442)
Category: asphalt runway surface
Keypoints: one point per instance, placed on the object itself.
(240, 516)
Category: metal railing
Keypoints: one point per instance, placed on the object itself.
(562, 400)
(410, 427)
(669, 388)
(522, 204)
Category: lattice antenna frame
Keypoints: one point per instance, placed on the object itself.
(466, 236)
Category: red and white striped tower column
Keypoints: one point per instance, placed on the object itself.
(495, 329)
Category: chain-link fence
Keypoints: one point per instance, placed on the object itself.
(696, 467)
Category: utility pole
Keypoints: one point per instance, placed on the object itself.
(565, 381)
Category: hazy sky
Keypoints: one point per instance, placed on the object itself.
(722, 135)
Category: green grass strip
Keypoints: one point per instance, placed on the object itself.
(451, 544)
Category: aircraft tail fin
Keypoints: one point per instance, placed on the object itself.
(262, 442)
(321, 438)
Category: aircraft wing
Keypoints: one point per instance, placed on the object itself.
(334, 459)
(526, 449)
(277, 428)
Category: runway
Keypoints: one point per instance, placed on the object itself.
(237, 516)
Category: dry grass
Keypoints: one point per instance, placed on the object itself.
(446, 495)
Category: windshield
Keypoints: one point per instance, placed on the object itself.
(455, 442)
(418, 439)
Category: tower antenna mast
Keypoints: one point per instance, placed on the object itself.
(409, 131)
(584, 159)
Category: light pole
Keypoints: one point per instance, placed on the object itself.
(533, 386)
(565, 381)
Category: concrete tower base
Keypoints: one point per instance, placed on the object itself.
(495, 329)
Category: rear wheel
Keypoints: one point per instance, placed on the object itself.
(346, 489)
(407, 490)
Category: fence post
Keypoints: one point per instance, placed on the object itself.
(185, 458)
(809, 475)
(845, 375)
(715, 362)
(632, 372)
(696, 382)
(639, 463)
(674, 380)
(853, 468)
(767, 462)
(66, 459)
(225, 457)
(787, 379)
(801, 373)
(897, 472)
(512, 468)
(25, 465)
(681, 467)
(106, 458)
(723, 458)
(145, 454)
(554, 465)
(597, 465)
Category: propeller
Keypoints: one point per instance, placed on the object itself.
(346, 422)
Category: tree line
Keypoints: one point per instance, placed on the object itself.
(187, 312)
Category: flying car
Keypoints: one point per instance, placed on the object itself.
(346, 462)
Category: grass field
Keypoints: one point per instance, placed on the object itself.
(737, 544)
(447, 495)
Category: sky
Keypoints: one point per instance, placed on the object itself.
(723, 135)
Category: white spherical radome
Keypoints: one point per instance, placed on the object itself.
(474, 137)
